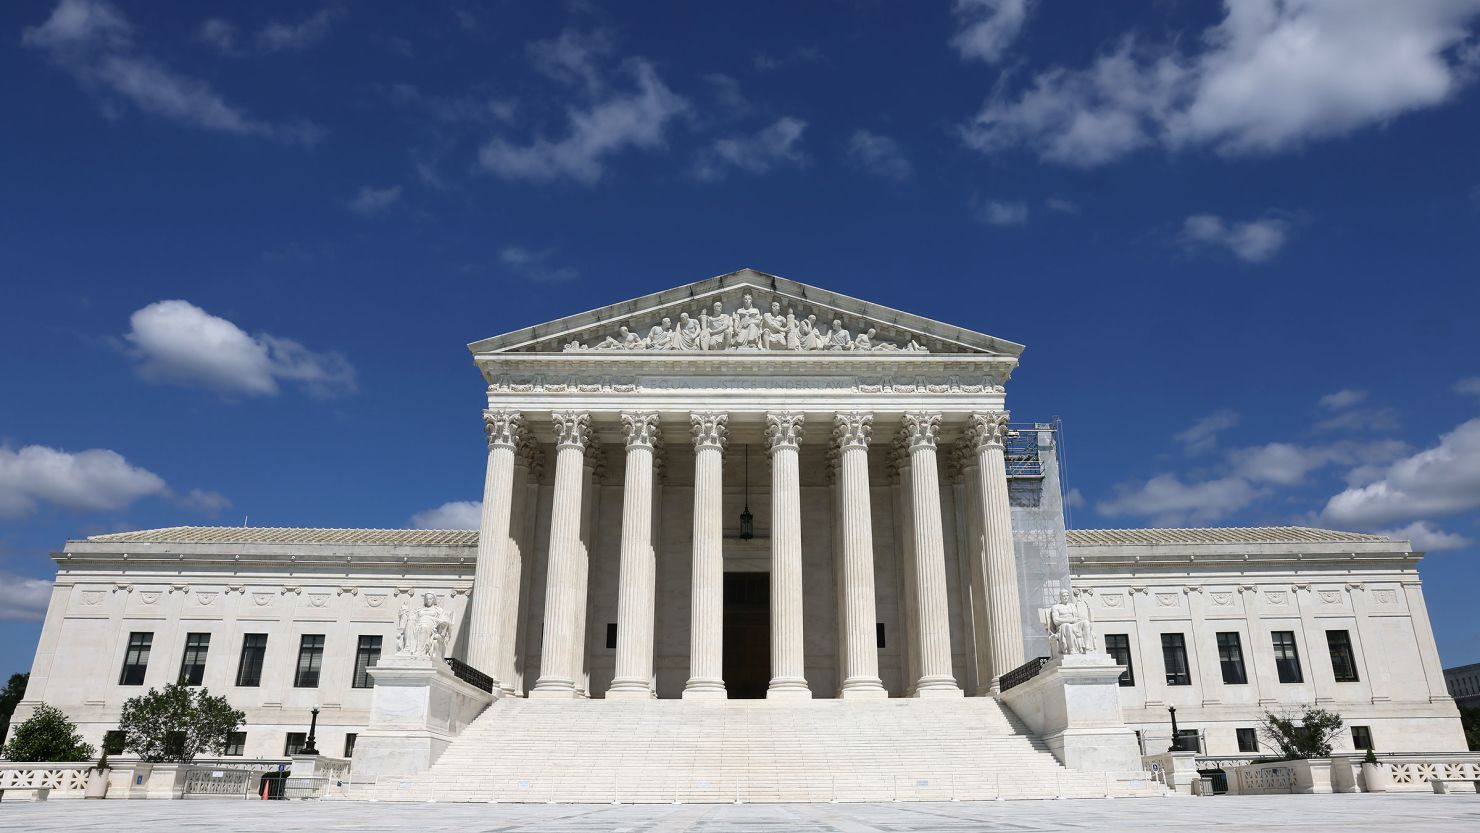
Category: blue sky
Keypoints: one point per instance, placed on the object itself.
(242, 247)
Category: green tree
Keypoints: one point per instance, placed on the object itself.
(1304, 732)
(1470, 718)
(176, 723)
(47, 735)
(10, 696)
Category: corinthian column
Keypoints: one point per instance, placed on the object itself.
(564, 601)
(637, 572)
(987, 432)
(851, 432)
(934, 634)
(706, 633)
(505, 430)
(788, 662)
(506, 671)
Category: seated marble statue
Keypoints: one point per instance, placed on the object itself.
(688, 335)
(747, 324)
(838, 338)
(660, 336)
(715, 329)
(1070, 629)
(776, 329)
(425, 631)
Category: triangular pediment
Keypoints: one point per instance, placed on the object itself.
(685, 319)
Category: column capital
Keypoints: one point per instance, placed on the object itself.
(987, 428)
(899, 457)
(921, 429)
(505, 429)
(572, 429)
(529, 455)
(710, 429)
(784, 431)
(853, 429)
(641, 429)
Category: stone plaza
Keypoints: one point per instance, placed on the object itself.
(751, 540)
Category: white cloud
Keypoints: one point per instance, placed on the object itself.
(1061, 206)
(988, 27)
(1001, 212)
(879, 155)
(179, 343)
(370, 201)
(1343, 399)
(573, 58)
(211, 503)
(1366, 419)
(1252, 241)
(457, 514)
(632, 120)
(23, 599)
(765, 62)
(1438, 481)
(1272, 75)
(219, 34)
(1203, 434)
(775, 144)
(93, 480)
(1286, 464)
(296, 37)
(1169, 501)
(535, 266)
(1426, 537)
(1469, 386)
(94, 42)
(1075, 499)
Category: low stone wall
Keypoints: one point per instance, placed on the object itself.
(65, 780)
(1411, 772)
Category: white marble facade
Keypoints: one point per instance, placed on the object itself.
(623, 445)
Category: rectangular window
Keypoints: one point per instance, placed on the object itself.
(113, 741)
(349, 744)
(1361, 737)
(193, 663)
(310, 659)
(1231, 658)
(254, 650)
(879, 634)
(1189, 740)
(1174, 657)
(366, 655)
(1343, 658)
(1248, 741)
(136, 660)
(1286, 657)
(1118, 646)
(236, 745)
(611, 636)
(295, 742)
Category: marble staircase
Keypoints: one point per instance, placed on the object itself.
(600, 751)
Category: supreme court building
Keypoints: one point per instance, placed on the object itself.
(747, 533)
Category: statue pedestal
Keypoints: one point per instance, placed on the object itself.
(416, 710)
(1074, 705)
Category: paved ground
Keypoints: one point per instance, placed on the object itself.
(1422, 813)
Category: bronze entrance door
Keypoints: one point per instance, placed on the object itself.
(747, 629)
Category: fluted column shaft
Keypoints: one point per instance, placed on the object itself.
(637, 572)
(1004, 615)
(976, 566)
(563, 601)
(852, 432)
(510, 585)
(934, 640)
(706, 630)
(590, 496)
(504, 430)
(788, 660)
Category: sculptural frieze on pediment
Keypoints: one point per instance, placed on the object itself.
(745, 327)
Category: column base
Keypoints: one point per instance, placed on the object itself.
(788, 688)
(863, 689)
(938, 687)
(698, 689)
(628, 690)
(554, 690)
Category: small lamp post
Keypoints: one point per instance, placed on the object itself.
(1176, 739)
(313, 728)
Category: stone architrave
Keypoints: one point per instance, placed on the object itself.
(851, 433)
(505, 430)
(706, 631)
(563, 597)
(934, 634)
(788, 663)
(637, 571)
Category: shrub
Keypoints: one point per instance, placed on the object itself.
(48, 735)
(1305, 732)
(177, 723)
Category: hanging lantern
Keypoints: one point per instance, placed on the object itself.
(747, 520)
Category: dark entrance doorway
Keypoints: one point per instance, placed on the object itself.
(747, 629)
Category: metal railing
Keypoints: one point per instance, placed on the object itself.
(1023, 673)
(1022, 450)
(470, 675)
